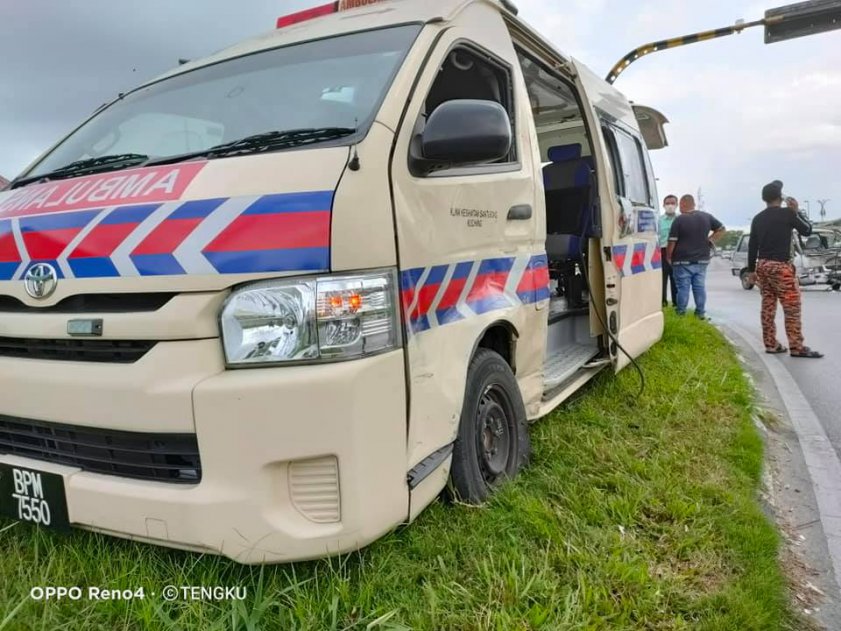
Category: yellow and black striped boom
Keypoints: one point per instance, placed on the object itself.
(782, 23)
(674, 42)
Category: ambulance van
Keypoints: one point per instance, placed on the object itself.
(273, 303)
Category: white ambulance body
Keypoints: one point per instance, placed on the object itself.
(281, 297)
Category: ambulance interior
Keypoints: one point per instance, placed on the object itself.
(572, 218)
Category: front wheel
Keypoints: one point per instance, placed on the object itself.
(493, 439)
(745, 278)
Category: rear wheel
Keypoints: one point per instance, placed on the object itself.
(745, 278)
(493, 440)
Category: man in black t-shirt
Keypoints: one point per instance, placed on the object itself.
(770, 266)
(690, 239)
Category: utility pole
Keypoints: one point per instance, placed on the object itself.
(823, 203)
(808, 208)
(700, 198)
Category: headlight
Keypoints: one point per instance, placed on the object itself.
(311, 319)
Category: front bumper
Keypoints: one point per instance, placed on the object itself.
(298, 462)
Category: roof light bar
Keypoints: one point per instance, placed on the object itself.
(307, 14)
(324, 9)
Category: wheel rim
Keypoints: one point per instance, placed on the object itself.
(495, 436)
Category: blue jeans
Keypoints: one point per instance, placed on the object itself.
(691, 276)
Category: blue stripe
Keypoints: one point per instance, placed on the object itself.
(292, 203)
(410, 278)
(93, 267)
(7, 270)
(421, 324)
(197, 209)
(463, 270)
(156, 264)
(436, 275)
(5, 227)
(490, 266)
(57, 221)
(53, 262)
(256, 261)
(130, 214)
(536, 262)
(446, 316)
(491, 303)
(542, 294)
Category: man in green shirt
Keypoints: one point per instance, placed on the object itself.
(666, 221)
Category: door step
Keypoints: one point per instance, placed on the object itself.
(565, 362)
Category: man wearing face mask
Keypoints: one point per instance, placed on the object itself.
(666, 221)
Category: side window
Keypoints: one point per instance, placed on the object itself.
(613, 153)
(468, 73)
(743, 244)
(632, 168)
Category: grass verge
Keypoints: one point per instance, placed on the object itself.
(636, 513)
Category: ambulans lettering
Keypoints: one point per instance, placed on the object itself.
(156, 184)
(346, 5)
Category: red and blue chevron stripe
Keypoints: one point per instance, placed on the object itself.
(443, 294)
(270, 233)
(278, 232)
(9, 256)
(645, 256)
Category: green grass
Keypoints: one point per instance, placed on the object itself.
(634, 514)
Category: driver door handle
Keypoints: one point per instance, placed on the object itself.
(522, 212)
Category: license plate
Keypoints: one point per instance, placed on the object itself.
(33, 496)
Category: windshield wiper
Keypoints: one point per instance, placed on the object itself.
(259, 143)
(88, 166)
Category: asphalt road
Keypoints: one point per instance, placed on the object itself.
(819, 380)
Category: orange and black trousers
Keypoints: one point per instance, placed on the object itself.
(778, 283)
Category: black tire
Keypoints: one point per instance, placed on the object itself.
(493, 437)
(746, 284)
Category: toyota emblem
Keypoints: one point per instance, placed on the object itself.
(41, 280)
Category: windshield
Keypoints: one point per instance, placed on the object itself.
(325, 84)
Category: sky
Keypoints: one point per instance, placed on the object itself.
(741, 113)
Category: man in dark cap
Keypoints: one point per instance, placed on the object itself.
(771, 267)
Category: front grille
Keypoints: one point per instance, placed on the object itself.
(93, 303)
(158, 457)
(105, 351)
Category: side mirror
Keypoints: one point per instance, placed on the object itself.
(462, 133)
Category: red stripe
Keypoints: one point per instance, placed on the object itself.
(48, 244)
(426, 296)
(407, 296)
(9, 249)
(638, 258)
(274, 232)
(103, 240)
(657, 256)
(167, 237)
(533, 279)
(452, 293)
(488, 285)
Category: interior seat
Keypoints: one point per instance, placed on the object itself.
(568, 182)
